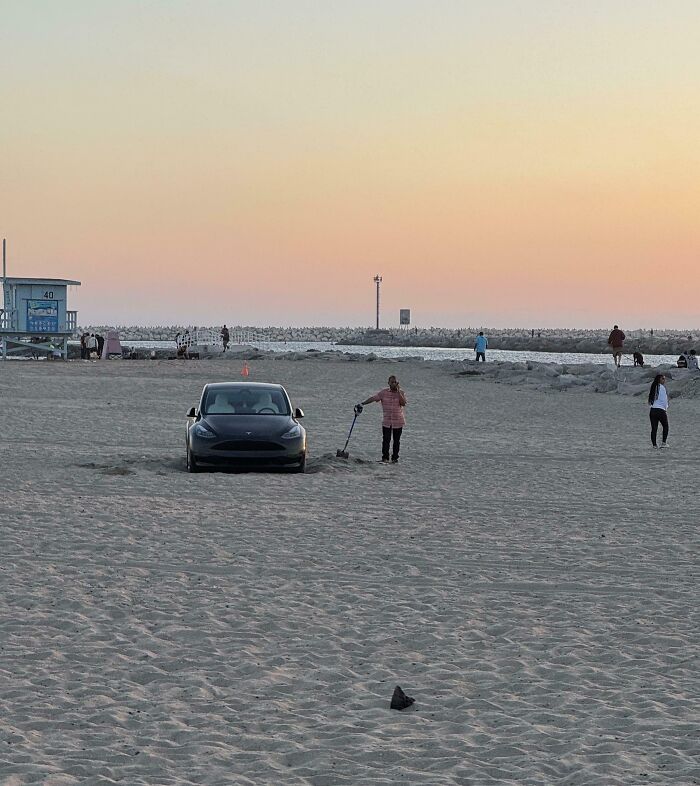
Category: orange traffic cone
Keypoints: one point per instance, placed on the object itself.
(245, 371)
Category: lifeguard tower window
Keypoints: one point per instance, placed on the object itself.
(35, 317)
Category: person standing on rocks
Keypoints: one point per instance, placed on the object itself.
(393, 401)
(480, 346)
(615, 341)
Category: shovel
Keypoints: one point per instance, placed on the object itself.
(344, 452)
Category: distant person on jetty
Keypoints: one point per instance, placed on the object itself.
(615, 341)
(480, 346)
(393, 401)
(658, 403)
(225, 337)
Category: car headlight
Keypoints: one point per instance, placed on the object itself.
(293, 433)
(202, 430)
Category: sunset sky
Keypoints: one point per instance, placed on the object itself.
(499, 162)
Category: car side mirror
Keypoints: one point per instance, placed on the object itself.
(192, 413)
(298, 413)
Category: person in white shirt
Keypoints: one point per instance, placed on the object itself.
(658, 403)
(91, 345)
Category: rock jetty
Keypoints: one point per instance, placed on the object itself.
(661, 342)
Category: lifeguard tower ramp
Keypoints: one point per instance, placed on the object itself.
(35, 316)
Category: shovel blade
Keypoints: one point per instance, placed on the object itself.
(342, 454)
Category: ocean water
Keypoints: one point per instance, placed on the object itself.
(433, 353)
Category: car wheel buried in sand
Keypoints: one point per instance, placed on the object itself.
(245, 425)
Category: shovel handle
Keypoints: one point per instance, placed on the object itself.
(352, 426)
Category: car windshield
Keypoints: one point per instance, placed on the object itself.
(245, 401)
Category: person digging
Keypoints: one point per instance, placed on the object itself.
(393, 401)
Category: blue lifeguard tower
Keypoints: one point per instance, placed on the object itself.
(35, 316)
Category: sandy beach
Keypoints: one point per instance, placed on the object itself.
(528, 573)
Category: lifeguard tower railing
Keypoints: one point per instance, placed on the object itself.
(9, 320)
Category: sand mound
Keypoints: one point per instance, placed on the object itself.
(551, 377)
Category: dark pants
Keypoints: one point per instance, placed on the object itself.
(387, 432)
(481, 355)
(657, 416)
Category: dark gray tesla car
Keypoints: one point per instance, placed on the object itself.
(247, 425)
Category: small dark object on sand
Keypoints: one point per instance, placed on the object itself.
(399, 701)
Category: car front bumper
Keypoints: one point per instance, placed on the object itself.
(238, 453)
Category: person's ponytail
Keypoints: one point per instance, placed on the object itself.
(654, 389)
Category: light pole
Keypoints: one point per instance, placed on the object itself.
(377, 281)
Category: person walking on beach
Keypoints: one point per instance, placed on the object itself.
(615, 341)
(480, 346)
(393, 401)
(225, 337)
(658, 404)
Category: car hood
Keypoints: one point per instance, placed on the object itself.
(250, 426)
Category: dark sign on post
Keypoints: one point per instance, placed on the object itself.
(405, 316)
